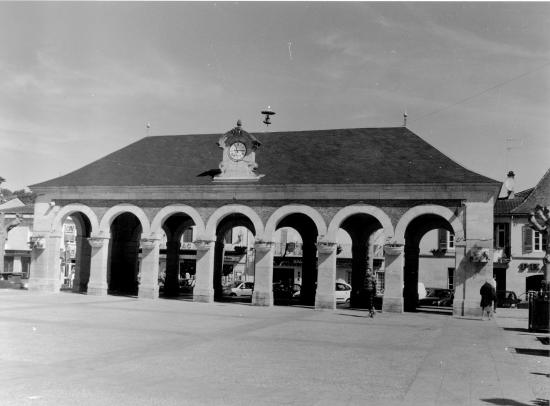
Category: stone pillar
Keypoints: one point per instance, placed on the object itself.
(393, 279)
(171, 281)
(309, 272)
(97, 284)
(45, 263)
(263, 274)
(471, 273)
(326, 275)
(82, 264)
(204, 277)
(149, 269)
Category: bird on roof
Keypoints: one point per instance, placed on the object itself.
(211, 173)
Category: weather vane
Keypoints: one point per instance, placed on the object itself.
(267, 113)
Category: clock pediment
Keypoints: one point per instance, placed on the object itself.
(238, 156)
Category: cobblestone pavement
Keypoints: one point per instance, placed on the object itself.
(69, 349)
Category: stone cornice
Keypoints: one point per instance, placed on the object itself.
(461, 191)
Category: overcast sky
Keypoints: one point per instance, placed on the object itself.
(80, 80)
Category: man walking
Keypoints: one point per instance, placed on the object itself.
(488, 296)
(369, 285)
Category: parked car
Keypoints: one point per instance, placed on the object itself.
(342, 292)
(507, 298)
(437, 297)
(283, 292)
(239, 288)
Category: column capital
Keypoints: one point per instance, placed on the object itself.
(204, 245)
(263, 246)
(149, 243)
(326, 247)
(97, 242)
(393, 249)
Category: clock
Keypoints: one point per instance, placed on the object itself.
(237, 151)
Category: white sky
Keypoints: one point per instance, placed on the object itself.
(80, 80)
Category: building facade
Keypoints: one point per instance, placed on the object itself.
(373, 181)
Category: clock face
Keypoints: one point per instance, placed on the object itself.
(237, 151)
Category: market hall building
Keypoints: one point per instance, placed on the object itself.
(317, 182)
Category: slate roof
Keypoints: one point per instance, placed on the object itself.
(392, 155)
(540, 195)
(504, 206)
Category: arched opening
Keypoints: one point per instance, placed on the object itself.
(177, 266)
(365, 251)
(416, 280)
(287, 266)
(234, 269)
(305, 275)
(123, 264)
(75, 252)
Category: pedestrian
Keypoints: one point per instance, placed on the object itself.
(488, 296)
(369, 285)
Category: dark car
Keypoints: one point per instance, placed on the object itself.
(437, 297)
(507, 298)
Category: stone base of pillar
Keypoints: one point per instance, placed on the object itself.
(44, 285)
(262, 298)
(99, 290)
(203, 296)
(392, 304)
(466, 308)
(145, 292)
(325, 302)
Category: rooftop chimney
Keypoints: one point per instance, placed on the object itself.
(509, 184)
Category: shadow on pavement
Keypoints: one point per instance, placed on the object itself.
(510, 402)
(533, 351)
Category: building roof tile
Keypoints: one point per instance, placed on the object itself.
(393, 155)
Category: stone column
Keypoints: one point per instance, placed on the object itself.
(204, 277)
(97, 285)
(82, 264)
(326, 275)
(149, 269)
(393, 279)
(45, 263)
(263, 274)
(171, 281)
(471, 272)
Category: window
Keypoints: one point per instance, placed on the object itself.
(188, 235)
(451, 278)
(446, 240)
(539, 241)
(533, 241)
(501, 235)
(450, 241)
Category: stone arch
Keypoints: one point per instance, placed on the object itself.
(348, 211)
(284, 211)
(165, 212)
(416, 211)
(73, 208)
(107, 219)
(219, 214)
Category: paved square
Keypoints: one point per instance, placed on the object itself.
(68, 349)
